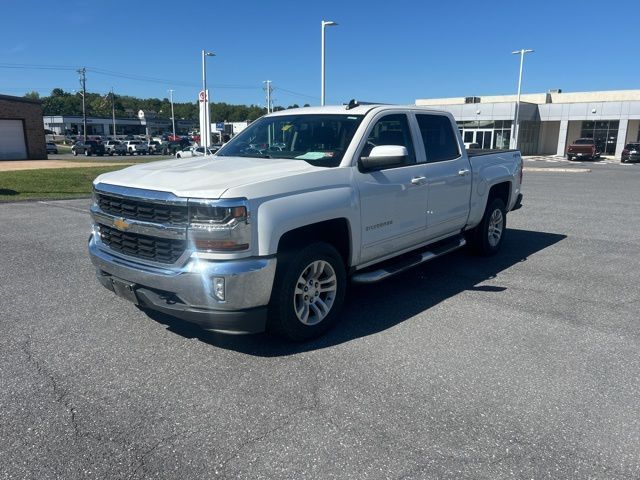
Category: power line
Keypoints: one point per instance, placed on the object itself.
(145, 78)
(297, 94)
(128, 76)
(37, 67)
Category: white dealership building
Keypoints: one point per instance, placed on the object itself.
(549, 122)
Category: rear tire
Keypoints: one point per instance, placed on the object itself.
(486, 239)
(569, 157)
(308, 292)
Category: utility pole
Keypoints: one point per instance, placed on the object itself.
(173, 118)
(113, 112)
(83, 84)
(268, 88)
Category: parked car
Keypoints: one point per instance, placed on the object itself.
(114, 147)
(193, 152)
(257, 240)
(155, 147)
(631, 153)
(583, 148)
(52, 147)
(136, 147)
(90, 147)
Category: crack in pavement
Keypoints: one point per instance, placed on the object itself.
(168, 440)
(61, 396)
(313, 406)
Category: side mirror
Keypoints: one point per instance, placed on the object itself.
(384, 156)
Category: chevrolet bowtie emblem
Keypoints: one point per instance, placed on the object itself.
(121, 224)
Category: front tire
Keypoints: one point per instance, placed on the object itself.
(486, 239)
(308, 292)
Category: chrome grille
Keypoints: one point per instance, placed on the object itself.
(161, 250)
(143, 211)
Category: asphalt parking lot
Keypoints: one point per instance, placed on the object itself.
(524, 365)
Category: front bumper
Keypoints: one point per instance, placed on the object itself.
(186, 292)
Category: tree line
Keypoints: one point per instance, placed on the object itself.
(60, 102)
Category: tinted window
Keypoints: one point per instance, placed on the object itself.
(391, 130)
(438, 136)
(584, 141)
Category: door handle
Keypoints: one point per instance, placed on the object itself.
(463, 172)
(418, 180)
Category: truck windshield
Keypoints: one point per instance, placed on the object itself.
(317, 139)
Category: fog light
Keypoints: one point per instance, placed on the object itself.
(217, 287)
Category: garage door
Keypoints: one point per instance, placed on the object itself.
(12, 146)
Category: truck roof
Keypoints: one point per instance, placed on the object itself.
(356, 110)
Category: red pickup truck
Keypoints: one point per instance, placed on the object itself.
(583, 148)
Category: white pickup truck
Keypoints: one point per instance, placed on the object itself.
(267, 233)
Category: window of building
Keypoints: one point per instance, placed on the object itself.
(604, 133)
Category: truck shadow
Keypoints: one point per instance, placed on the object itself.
(370, 309)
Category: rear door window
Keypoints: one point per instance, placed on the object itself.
(440, 142)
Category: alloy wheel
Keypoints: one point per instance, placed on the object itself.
(496, 225)
(315, 292)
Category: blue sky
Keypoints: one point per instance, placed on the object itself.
(385, 51)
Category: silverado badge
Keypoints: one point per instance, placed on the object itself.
(121, 224)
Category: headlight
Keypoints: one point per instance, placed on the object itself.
(219, 225)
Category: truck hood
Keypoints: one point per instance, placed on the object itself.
(203, 177)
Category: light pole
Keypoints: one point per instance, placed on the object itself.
(205, 131)
(173, 117)
(516, 128)
(324, 24)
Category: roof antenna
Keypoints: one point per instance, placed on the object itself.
(353, 103)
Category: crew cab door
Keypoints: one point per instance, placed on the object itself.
(448, 173)
(393, 200)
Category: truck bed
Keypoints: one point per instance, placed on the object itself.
(476, 152)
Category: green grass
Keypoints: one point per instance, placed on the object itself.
(49, 183)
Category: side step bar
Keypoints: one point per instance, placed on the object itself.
(393, 267)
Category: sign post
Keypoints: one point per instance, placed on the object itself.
(205, 125)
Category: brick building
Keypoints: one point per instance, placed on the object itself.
(21, 129)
